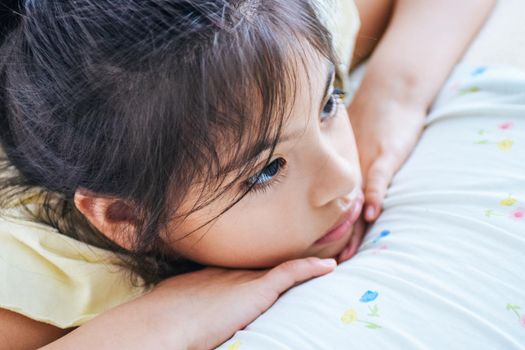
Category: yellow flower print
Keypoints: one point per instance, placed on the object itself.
(349, 316)
(508, 202)
(235, 346)
(505, 145)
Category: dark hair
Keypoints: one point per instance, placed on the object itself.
(139, 99)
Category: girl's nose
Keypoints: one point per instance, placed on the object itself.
(334, 179)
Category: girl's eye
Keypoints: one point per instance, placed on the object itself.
(265, 177)
(330, 108)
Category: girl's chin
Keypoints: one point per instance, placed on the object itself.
(333, 249)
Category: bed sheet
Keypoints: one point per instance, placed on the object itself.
(443, 266)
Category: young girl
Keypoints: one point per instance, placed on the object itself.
(174, 135)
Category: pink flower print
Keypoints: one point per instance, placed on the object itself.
(379, 249)
(506, 126)
(518, 214)
(522, 321)
(455, 86)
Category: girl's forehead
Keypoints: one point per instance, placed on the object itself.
(297, 92)
(314, 77)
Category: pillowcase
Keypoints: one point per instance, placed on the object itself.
(443, 266)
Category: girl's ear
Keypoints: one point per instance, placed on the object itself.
(112, 217)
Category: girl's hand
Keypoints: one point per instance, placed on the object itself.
(402, 78)
(197, 310)
(214, 303)
(355, 241)
(386, 133)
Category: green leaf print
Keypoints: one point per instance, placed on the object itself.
(514, 308)
(372, 325)
(374, 311)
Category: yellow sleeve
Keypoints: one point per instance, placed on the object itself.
(341, 17)
(52, 278)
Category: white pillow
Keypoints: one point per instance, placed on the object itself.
(444, 265)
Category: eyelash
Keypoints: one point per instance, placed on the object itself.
(274, 178)
(336, 99)
(280, 163)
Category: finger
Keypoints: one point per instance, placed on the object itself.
(355, 241)
(292, 272)
(379, 176)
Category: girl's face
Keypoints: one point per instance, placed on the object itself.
(304, 202)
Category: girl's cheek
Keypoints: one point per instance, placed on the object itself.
(343, 129)
(347, 146)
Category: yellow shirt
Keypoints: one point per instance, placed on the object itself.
(342, 20)
(55, 279)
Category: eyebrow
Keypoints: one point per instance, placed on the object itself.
(331, 76)
(257, 149)
(260, 147)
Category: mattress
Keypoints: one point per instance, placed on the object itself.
(444, 265)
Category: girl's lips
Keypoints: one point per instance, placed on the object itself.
(345, 222)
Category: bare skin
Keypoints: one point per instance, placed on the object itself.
(34, 335)
(418, 49)
(148, 322)
(174, 313)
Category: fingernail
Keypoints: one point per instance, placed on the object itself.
(370, 213)
(328, 262)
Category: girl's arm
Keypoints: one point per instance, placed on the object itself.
(198, 310)
(422, 42)
(375, 16)
(20, 332)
